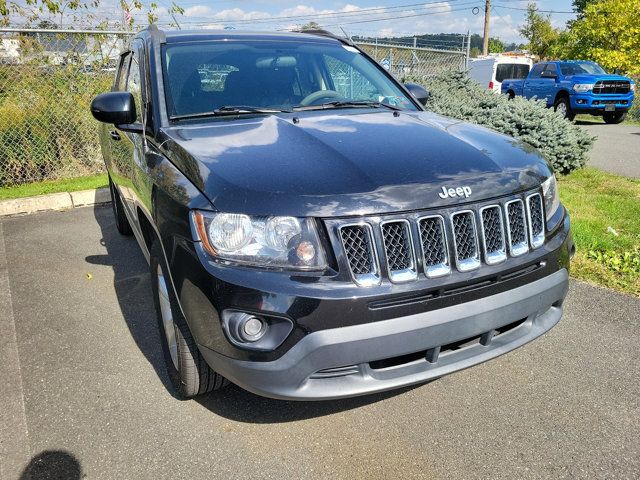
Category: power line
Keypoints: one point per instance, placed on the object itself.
(428, 6)
(541, 11)
(399, 17)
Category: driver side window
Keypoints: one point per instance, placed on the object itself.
(348, 81)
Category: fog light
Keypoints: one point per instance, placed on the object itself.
(253, 329)
(255, 332)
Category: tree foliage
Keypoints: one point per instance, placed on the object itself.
(608, 32)
(57, 12)
(495, 45)
(539, 32)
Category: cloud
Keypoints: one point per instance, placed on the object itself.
(443, 18)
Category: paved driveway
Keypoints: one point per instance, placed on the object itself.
(617, 149)
(84, 390)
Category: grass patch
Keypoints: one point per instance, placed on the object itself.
(594, 119)
(604, 210)
(54, 186)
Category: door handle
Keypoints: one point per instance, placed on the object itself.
(114, 135)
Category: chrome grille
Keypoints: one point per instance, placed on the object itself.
(398, 247)
(465, 240)
(433, 242)
(612, 86)
(493, 235)
(516, 228)
(536, 220)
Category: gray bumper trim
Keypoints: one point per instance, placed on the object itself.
(289, 377)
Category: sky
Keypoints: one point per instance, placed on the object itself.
(430, 16)
(357, 17)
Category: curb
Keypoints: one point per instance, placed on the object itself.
(54, 201)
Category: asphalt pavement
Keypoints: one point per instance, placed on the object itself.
(84, 393)
(617, 148)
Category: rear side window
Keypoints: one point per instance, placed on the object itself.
(511, 70)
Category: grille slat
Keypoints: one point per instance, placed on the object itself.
(359, 249)
(493, 235)
(396, 236)
(466, 240)
(536, 220)
(611, 86)
(516, 228)
(433, 241)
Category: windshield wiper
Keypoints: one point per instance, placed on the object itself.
(347, 104)
(229, 110)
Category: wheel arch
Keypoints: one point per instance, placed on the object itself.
(561, 94)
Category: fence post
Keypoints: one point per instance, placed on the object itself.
(466, 57)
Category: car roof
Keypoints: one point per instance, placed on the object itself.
(178, 36)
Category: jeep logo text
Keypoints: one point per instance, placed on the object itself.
(455, 192)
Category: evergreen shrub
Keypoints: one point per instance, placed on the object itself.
(564, 144)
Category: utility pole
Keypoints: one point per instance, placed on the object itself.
(487, 18)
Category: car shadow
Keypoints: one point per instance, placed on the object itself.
(133, 290)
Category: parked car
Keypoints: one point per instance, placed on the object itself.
(491, 71)
(576, 86)
(312, 231)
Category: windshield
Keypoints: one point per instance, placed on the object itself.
(272, 75)
(577, 68)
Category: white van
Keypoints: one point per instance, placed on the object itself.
(492, 70)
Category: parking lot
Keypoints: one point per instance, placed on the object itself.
(617, 148)
(84, 391)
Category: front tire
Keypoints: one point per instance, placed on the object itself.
(613, 118)
(122, 222)
(189, 372)
(563, 107)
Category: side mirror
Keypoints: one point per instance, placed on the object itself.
(117, 108)
(418, 91)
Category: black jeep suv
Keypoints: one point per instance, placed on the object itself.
(312, 231)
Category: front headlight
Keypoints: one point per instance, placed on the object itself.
(633, 87)
(583, 87)
(275, 242)
(551, 197)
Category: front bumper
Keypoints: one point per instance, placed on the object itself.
(596, 104)
(345, 362)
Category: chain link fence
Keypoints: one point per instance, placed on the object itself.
(417, 62)
(47, 81)
(49, 77)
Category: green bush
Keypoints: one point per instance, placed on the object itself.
(564, 144)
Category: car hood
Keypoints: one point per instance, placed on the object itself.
(348, 162)
(581, 78)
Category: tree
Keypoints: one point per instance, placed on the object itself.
(311, 26)
(75, 11)
(608, 32)
(542, 36)
(580, 5)
(496, 45)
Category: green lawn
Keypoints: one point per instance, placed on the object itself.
(54, 186)
(595, 119)
(605, 214)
